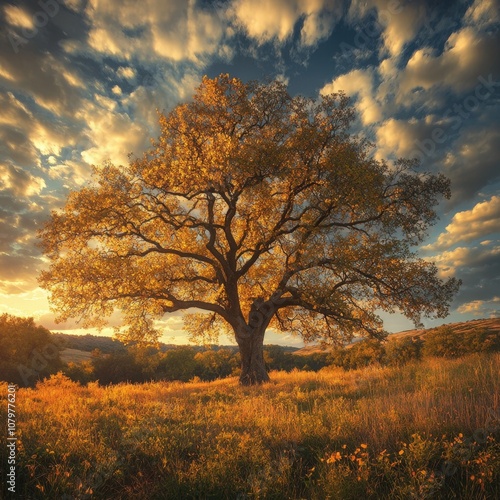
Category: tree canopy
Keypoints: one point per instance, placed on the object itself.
(28, 352)
(253, 209)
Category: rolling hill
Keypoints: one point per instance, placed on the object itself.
(490, 324)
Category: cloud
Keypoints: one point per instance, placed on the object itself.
(358, 83)
(482, 308)
(468, 54)
(44, 77)
(399, 137)
(21, 183)
(18, 17)
(126, 72)
(483, 13)
(477, 266)
(169, 30)
(466, 260)
(482, 220)
(26, 136)
(266, 21)
(472, 159)
(75, 5)
(399, 22)
(113, 135)
(17, 272)
(318, 26)
(70, 172)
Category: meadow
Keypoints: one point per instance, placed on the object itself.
(429, 429)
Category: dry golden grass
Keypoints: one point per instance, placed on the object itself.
(381, 432)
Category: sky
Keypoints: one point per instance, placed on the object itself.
(81, 82)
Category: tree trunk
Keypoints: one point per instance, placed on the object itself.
(253, 368)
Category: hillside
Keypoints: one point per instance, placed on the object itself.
(74, 355)
(490, 324)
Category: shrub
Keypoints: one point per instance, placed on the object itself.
(28, 352)
(446, 342)
(401, 351)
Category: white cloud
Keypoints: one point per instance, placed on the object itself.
(72, 173)
(483, 13)
(398, 21)
(4, 73)
(113, 135)
(361, 83)
(18, 17)
(397, 137)
(75, 5)
(468, 53)
(483, 219)
(471, 259)
(265, 21)
(170, 30)
(126, 72)
(317, 27)
(483, 308)
(21, 182)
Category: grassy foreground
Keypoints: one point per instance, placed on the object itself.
(426, 430)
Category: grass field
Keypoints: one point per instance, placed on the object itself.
(426, 430)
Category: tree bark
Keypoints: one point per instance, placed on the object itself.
(253, 367)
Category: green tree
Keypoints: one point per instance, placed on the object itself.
(28, 352)
(363, 353)
(445, 341)
(178, 364)
(404, 350)
(82, 373)
(254, 209)
(118, 367)
(213, 364)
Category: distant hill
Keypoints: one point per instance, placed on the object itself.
(106, 345)
(77, 348)
(74, 356)
(491, 324)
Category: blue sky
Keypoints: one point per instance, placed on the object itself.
(81, 82)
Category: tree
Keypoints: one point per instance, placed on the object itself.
(27, 352)
(178, 364)
(447, 342)
(254, 209)
(401, 351)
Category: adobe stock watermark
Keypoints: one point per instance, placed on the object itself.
(39, 360)
(11, 438)
(458, 114)
(48, 9)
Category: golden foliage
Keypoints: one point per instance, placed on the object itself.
(251, 202)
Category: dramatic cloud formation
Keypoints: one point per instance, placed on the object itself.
(82, 82)
(482, 221)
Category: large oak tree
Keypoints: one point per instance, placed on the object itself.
(254, 210)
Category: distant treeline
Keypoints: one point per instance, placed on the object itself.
(29, 353)
(186, 363)
(183, 363)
